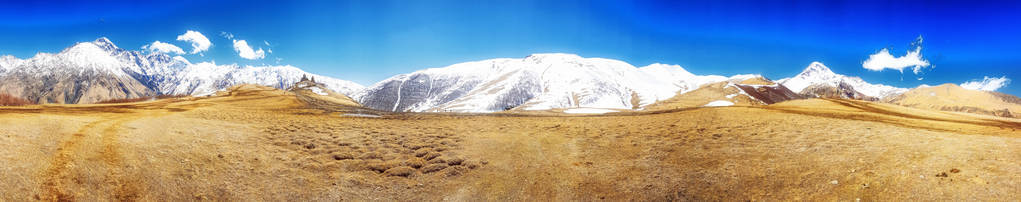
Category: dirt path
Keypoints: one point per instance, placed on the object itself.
(57, 175)
(70, 166)
(125, 189)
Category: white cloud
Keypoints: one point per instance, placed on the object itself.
(227, 35)
(160, 47)
(246, 52)
(884, 60)
(987, 83)
(199, 42)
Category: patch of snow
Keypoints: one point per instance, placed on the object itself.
(588, 111)
(204, 94)
(741, 91)
(317, 90)
(742, 77)
(719, 103)
(731, 96)
(362, 115)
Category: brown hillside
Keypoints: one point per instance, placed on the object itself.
(748, 92)
(703, 95)
(950, 97)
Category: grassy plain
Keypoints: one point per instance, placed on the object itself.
(256, 143)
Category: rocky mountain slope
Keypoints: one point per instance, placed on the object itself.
(536, 82)
(951, 97)
(86, 72)
(841, 90)
(89, 72)
(817, 80)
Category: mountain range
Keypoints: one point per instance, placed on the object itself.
(536, 82)
(90, 72)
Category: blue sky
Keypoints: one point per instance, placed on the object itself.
(367, 41)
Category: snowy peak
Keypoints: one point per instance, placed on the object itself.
(816, 72)
(658, 69)
(101, 44)
(83, 56)
(550, 60)
(551, 57)
(819, 76)
(8, 62)
(817, 68)
(105, 44)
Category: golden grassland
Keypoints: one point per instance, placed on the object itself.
(951, 97)
(256, 143)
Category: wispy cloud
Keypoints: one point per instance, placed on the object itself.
(269, 48)
(884, 60)
(227, 35)
(246, 52)
(987, 83)
(199, 42)
(160, 47)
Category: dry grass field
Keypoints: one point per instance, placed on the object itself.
(259, 144)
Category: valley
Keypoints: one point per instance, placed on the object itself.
(96, 122)
(260, 143)
(516, 100)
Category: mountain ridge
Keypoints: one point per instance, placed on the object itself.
(88, 72)
(93, 71)
(536, 82)
(951, 97)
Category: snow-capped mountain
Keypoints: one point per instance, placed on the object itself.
(818, 75)
(536, 82)
(93, 71)
(207, 77)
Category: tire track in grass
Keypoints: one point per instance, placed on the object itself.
(124, 189)
(57, 174)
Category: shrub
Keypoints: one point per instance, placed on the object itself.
(10, 100)
(433, 168)
(402, 171)
(140, 99)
